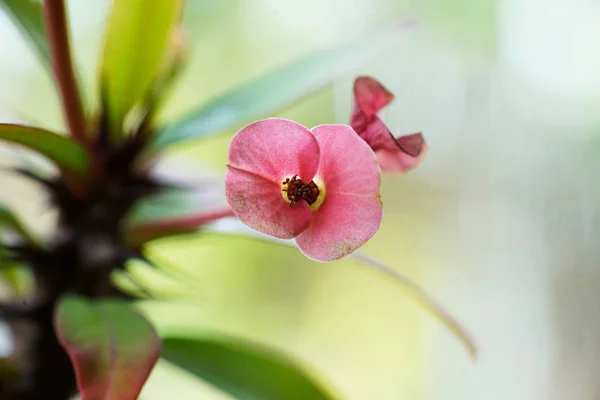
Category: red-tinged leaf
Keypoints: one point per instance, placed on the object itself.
(69, 155)
(112, 348)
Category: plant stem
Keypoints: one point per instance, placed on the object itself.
(191, 222)
(152, 230)
(58, 38)
(425, 298)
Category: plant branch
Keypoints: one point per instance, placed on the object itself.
(58, 38)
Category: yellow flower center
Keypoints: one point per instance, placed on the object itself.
(294, 189)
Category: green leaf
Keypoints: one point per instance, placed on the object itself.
(64, 152)
(112, 348)
(136, 42)
(8, 220)
(27, 16)
(244, 370)
(272, 92)
(16, 280)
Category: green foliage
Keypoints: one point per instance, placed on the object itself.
(16, 279)
(273, 91)
(113, 348)
(244, 370)
(8, 220)
(67, 154)
(136, 41)
(27, 15)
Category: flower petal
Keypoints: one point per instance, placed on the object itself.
(398, 156)
(394, 155)
(413, 144)
(343, 224)
(370, 95)
(257, 202)
(275, 149)
(348, 165)
(261, 155)
(351, 212)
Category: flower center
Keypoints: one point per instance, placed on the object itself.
(297, 190)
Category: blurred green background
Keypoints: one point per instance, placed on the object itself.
(500, 222)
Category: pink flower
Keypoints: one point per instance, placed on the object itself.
(320, 186)
(394, 154)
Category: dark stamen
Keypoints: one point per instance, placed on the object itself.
(298, 190)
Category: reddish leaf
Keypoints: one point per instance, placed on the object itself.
(113, 348)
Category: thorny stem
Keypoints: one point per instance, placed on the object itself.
(58, 38)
